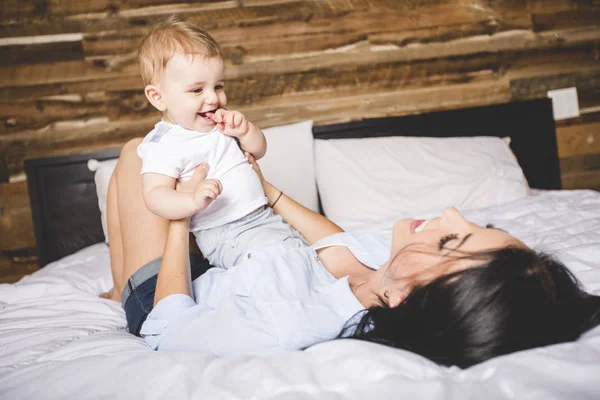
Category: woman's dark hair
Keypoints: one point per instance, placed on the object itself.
(515, 300)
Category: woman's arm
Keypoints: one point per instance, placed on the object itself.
(338, 260)
(174, 276)
(311, 225)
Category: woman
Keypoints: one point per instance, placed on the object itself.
(450, 290)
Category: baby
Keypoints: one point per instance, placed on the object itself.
(182, 70)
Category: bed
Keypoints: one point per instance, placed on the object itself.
(59, 340)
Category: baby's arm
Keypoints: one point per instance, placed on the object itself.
(234, 123)
(163, 200)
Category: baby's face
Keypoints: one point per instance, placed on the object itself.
(191, 87)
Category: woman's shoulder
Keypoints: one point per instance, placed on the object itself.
(370, 248)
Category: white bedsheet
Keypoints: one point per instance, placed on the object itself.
(58, 340)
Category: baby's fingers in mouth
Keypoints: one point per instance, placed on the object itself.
(208, 114)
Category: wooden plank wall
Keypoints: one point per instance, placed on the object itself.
(69, 81)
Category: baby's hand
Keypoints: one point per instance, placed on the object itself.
(231, 123)
(204, 191)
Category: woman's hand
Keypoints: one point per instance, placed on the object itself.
(270, 191)
(255, 166)
(204, 191)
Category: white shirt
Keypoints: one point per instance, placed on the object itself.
(175, 151)
(278, 299)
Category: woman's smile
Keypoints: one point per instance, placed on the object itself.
(415, 225)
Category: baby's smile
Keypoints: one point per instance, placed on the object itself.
(207, 114)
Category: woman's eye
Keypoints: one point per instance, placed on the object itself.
(491, 226)
(199, 90)
(446, 239)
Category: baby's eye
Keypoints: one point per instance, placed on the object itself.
(198, 90)
(446, 239)
(220, 87)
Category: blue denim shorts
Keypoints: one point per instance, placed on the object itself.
(138, 294)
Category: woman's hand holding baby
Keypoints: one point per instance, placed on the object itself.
(270, 191)
(204, 191)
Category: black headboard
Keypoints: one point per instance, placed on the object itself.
(529, 124)
(63, 197)
(64, 204)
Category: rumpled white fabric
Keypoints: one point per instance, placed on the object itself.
(58, 340)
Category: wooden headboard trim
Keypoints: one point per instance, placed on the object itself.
(61, 229)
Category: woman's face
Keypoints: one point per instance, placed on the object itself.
(425, 250)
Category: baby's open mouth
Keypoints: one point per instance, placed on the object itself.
(207, 114)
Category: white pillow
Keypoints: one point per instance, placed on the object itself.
(104, 170)
(288, 164)
(374, 178)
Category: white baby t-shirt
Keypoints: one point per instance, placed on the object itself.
(175, 151)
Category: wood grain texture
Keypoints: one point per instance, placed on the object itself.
(323, 107)
(581, 172)
(577, 140)
(94, 17)
(14, 266)
(16, 227)
(38, 53)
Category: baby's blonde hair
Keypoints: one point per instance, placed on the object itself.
(168, 38)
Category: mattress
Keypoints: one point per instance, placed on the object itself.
(59, 340)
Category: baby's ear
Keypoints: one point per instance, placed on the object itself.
(154, 97)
